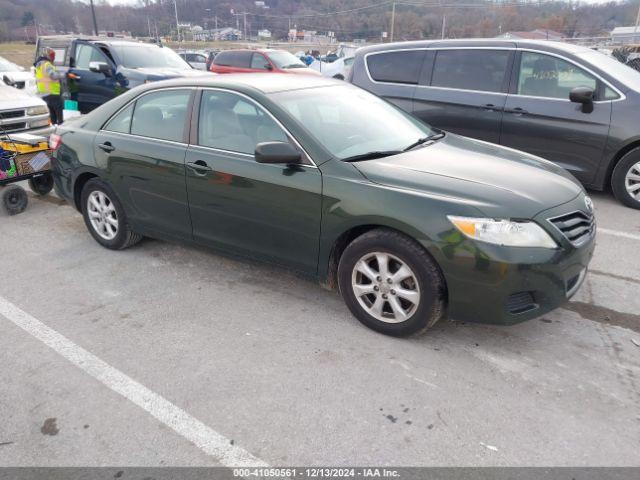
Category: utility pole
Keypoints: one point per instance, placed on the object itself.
(149, 25)
(444, 26)
(93, 14)
(245, 26)
(175, 4)
(635, 30)
(393, 19)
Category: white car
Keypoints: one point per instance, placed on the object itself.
(16, 76)
(21, 112)
(197, 60)
(337, 69)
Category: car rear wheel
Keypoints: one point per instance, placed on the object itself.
(105, 218)
(391, 284)
(625, 180)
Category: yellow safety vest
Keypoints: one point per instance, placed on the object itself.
(44, 83)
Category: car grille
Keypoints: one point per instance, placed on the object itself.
(11, 114)
(577, 227)
(10, 127)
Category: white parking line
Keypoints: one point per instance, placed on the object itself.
(204, 437)
(617, 233)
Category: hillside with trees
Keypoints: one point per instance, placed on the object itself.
(349, 19)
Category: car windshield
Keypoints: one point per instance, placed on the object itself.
(350, 122)
(615, 68)
(285, 60)
(7, 66)
(143, 56)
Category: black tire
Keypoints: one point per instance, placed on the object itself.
(338, 76)
(124, 236)
(619, 178)
(41, 184)
(14, 199)
(431, 306)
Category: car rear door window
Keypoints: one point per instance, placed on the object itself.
(233, 123)
(471, 69)
(161, 115)
(543, 75)
(396, 67)
(121, 123)
(234, 59)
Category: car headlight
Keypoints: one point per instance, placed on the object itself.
(504, 232)
(39, 110)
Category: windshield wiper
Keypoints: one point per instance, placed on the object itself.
(428, 138)
(372, 155)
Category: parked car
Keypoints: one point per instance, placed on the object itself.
(101, 69)
(410, 223)
(572, 105)
(17, 76)
(259, 61)
(197, 60)
(337, 69)
(21, 112)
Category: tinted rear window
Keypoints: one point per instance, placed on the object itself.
(396, 67)
(482, 70)
(233, 59)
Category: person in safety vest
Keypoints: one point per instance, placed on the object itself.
(49, 85)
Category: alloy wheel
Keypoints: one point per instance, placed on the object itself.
(385, 287)
(632, 181)
(102, 215)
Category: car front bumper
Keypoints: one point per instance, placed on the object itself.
(507, 285)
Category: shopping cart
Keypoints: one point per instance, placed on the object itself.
(23, 157)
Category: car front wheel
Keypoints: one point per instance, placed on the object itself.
(391, 284)
(625, 180)
(105, 218)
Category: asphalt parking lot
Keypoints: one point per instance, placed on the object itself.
(168, 354)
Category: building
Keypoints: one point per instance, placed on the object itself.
(538, 34)
(312, 36)
(264, 34)
(227, 33)
(625, 35)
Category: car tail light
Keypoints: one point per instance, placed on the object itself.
(54, 141)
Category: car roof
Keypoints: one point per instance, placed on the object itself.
(257, 82)
(259, 50)
(548, 45)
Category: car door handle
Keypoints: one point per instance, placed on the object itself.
(200, 166)
(107, 147)
(490, 107)
(516, 111)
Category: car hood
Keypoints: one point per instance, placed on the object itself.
(13, 98)
(170, 72)
(301, 71)
(500, 182)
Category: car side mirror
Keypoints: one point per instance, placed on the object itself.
(583, 95)
(277, 152)
(269, 67)
(100, 67)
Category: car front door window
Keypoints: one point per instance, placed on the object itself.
(230, 122)
(546, 76)
(85, 54)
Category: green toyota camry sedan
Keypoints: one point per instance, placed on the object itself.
(409, 223)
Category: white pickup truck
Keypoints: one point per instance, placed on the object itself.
(21, 112)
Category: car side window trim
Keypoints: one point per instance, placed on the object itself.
(621, 95)
(187, 131)
(193, 139)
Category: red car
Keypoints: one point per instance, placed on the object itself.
(266, 61)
